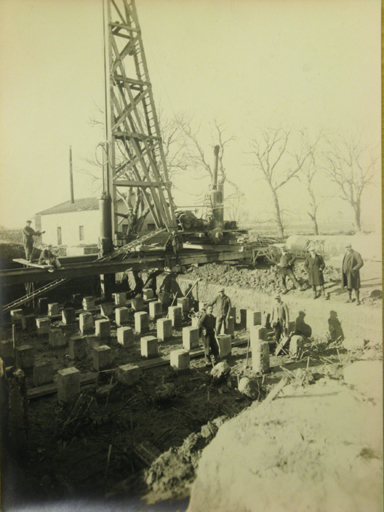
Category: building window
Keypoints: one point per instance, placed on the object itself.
(59, 240)
(151, 227)
(81, 232)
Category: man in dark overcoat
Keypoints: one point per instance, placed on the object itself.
(314, 265)
(350, 272)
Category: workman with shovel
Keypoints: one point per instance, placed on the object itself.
(207, 328)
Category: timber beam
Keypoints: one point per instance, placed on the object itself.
(160, 260)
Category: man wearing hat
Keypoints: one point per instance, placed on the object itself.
(352, 263)
(223, 310)
(286, 269)
(314, 265)
(279, 317)
(28, 234)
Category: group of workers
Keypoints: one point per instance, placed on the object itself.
(211, 325)
(47, 256)
(314, 265)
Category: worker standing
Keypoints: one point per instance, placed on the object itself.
(314, 265)
(223, 305)
(352, 263)
(279, 318)
(28, 234)
(285, 264)
(207, 326)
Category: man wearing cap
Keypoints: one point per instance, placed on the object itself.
(223, 310)
(279, 317)
(28, 234)
(352, 263)
(286, 269)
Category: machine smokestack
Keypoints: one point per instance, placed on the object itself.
(71, 175)
(216, 150)
(217, 193)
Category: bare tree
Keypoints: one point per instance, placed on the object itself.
(351, 165)
(307, 176)
(198, 160)
(277, 165)
(194, 154)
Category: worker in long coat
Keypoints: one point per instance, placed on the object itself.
(314, 265)
(350, 272)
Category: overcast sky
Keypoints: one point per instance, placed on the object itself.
(249, 63)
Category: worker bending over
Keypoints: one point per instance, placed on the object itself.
(207, 327)
(47, 257)
(223, 305)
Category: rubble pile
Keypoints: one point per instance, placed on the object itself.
(172, 474)
(266, 280)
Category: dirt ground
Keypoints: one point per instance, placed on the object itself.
(317, 446)
(267, 279)
(90, 451)
(68, 453)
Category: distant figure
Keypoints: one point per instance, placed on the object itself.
(334, 327)
(301, 327)
(28, 234)
(352, 263)
(279, 318)
(207, 326)
(223, 305)
(47, 257)
(138, 290)
(314, 265)
(286, 263)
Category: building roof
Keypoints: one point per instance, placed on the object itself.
(80, 205)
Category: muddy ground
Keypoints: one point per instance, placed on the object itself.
(68, 450)
(91, 451)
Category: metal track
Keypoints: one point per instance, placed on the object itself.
(33, 295)
(124, 250)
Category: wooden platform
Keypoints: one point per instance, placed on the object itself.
(30, 263)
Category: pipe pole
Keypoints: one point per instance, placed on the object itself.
(71, 175)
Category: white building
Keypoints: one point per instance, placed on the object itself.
(77, 224)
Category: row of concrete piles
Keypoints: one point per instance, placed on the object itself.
(96, 333)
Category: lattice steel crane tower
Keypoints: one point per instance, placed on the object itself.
(134, 151)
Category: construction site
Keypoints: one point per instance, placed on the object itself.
(112, 394)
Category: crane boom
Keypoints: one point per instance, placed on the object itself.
(135, 155)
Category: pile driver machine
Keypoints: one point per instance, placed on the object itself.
(134, 164)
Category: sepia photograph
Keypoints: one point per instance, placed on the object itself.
(191, 313)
